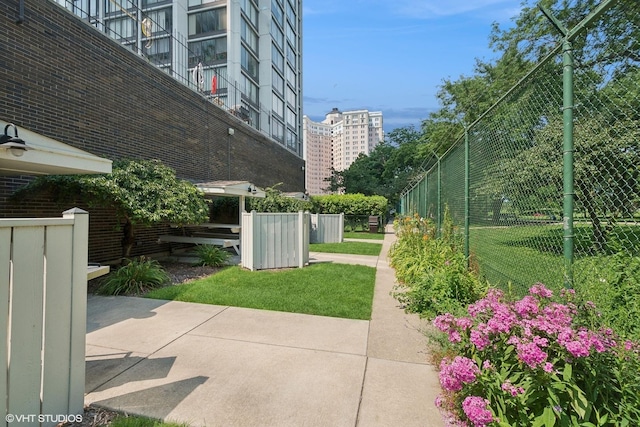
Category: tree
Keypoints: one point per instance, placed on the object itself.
(142, 192)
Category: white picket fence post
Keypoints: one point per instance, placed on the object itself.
(43, 282)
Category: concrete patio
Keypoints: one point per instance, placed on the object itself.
(211, 365)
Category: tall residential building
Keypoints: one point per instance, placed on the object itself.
(345, 136)
(244, 55)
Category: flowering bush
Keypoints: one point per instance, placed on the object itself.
(431, 271)
(538, 361)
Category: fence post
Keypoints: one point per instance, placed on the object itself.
(567, 157)
(439, 199)
(78, 308)
(466, 194)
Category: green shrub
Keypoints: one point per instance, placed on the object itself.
(432, 271)
(211, 256)
(137, 277)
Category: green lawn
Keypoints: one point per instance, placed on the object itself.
(524, 255)
(363, 235)
(325, 289)
(353, 248)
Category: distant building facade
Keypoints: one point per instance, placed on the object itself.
(336, 143)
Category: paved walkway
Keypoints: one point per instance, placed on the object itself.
(226, 366)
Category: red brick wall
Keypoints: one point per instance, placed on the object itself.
(64, 79)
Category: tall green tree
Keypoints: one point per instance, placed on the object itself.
(142, 193)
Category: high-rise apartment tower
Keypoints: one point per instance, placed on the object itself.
(336, 143)
(244, 55)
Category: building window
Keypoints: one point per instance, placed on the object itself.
(277, 34)
(277, 58)
(161, 21)
(250, 90)
(159, 52)
(277, 82)
(209, 21)
(291, 56)
(291, 36)
(249, 36)
(251, 11)
(291, 96)
(121, 29)
(208, 52)
(276, 10)
(249, 63)
(277, 105)
(291, 76)
(291, 14)
(291, 118)
(277, 130)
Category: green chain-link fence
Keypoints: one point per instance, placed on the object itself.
(519, 180)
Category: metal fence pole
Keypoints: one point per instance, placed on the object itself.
(439, 199)
(466, 194)
(567, 157)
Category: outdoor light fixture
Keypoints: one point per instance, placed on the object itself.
(252, 190)
(12, 143)
(231, 131)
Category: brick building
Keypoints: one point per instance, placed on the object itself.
(65, 80)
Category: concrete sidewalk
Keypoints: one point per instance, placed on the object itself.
(226, 366)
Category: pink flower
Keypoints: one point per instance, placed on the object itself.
(531, 354)
(475, 408)
(511, 389)
(548, 367)
(577, 348)
(461, 371)
(479, 339)
(540, 290)
(527, 306)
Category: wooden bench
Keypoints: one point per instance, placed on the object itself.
(225, 243)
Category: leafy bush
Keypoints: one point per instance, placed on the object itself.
(431, 271)
(534, 362)
(137, 277)
(276, 201)
(210, 255)
(350, 204)
(613, 284)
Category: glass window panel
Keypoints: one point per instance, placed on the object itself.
(276, 10)
(277, 82)
(291, 76)
(208, 21)
(277, 105)
(249, 63)
(291, 36)
(277, 34)
(277, 58)
(121, 28)
(291, 15)
(161, 21)
(249, 35)
(208, 52)
(160, 51)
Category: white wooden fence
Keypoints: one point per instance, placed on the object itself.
(274, 240)
(43, 300)
(327, 228)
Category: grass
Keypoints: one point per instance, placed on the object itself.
(353, 248)
(524, 255)
(363, 235)
(325, 289)
(134, 421)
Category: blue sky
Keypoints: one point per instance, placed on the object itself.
(392, 55)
